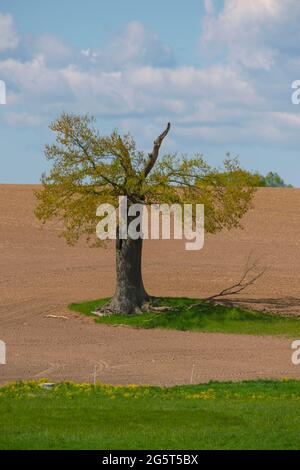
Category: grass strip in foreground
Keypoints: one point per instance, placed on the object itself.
(246, 415)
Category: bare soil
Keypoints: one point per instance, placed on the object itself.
(40, 275)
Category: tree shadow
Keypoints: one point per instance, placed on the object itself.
(283, 305)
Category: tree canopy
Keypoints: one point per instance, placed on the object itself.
(272, 180)
(89, 169)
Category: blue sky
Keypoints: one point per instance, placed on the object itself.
(220, 71)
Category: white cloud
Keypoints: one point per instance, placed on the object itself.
(33, 78)
(22, 119)
(134, 81)
(220, 83)
(209, 7)
(134, 46)
(8, 33)
(151, 91)
(253, 33)
(53, 50)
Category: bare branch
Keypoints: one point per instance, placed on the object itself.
(154, 154)
(251, 269)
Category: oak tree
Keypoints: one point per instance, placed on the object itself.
(89, 169)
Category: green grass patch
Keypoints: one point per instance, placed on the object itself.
(207, 318)
(247, 415)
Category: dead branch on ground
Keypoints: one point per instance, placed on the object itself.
(251, 274)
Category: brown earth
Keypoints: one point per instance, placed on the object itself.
(40, 275)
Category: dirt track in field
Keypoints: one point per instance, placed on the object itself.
(40, 275)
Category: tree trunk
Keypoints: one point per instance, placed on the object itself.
(130, 294)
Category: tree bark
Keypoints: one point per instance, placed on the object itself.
(130, 294)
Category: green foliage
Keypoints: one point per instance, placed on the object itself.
(89, 169)
(247, 415)
(272, 180)
(205, 318)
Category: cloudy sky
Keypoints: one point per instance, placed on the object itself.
(219, 70)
